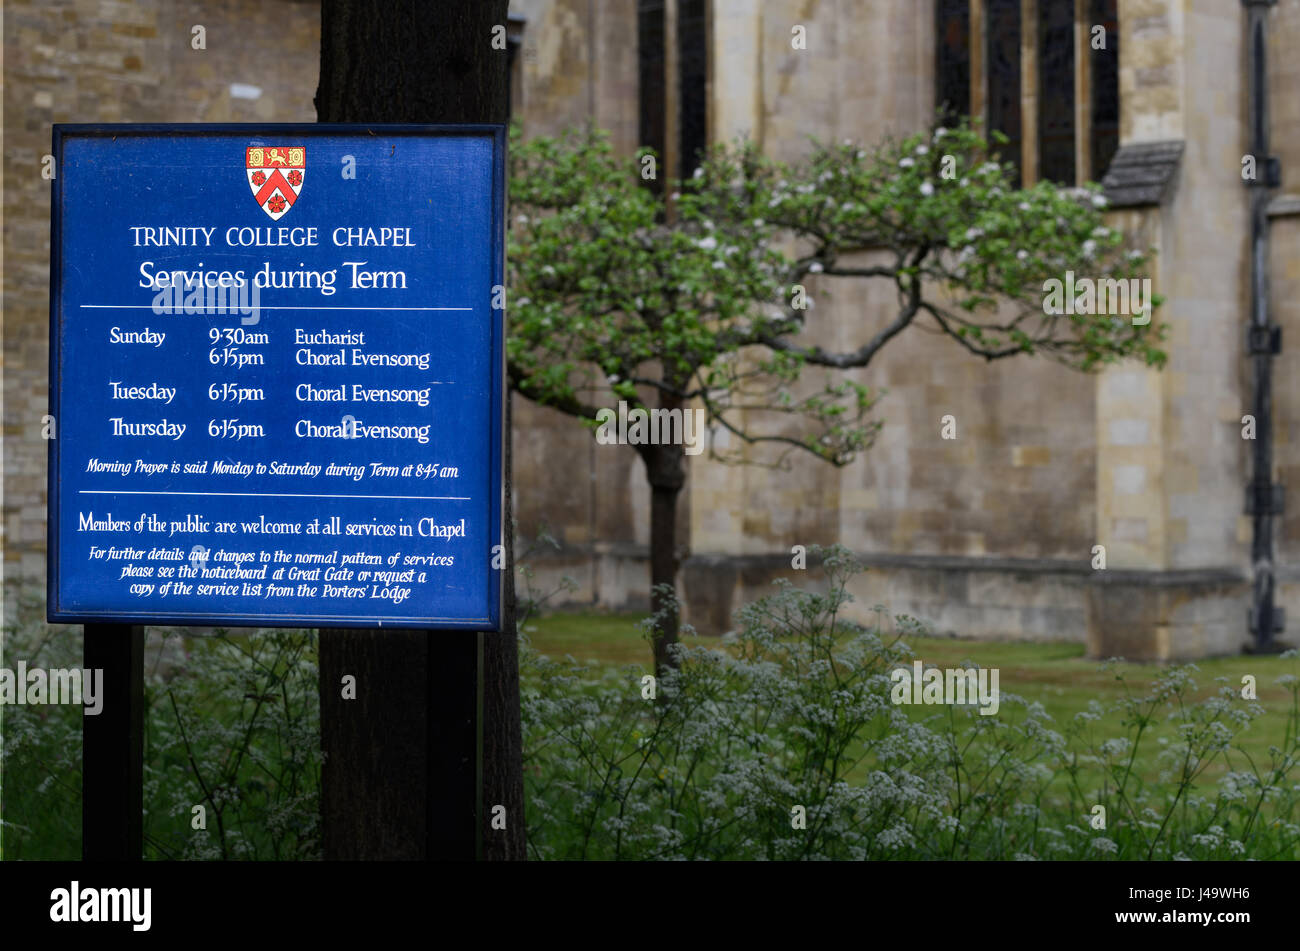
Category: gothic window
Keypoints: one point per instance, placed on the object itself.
(1072, 85)
(684, 96)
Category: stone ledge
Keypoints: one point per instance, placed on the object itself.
(1284, 206)
(1141, 615)
(1142, 173)
(1082, 569)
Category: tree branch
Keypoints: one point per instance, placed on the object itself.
(862, 356)
(519, 382)
(988, 354)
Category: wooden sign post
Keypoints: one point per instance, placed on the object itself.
(112, 770)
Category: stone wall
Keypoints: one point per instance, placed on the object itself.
(990, 535)
(111, 61)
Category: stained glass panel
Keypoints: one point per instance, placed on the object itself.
(1003, 58)
(692, 69)
(1105, 86)
(650, 73)
(952, 58)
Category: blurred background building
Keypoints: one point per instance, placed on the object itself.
(991, 535)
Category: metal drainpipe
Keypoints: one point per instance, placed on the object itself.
(1264, 499)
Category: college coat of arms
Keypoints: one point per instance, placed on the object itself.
(275, 176)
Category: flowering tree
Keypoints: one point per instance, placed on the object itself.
(699, 298)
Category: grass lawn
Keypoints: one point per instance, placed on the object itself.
(1056, 675)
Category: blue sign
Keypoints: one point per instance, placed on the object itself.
(277, 375)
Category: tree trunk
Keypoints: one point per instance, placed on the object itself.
(666, 472)
(417, 62)
(663, 568)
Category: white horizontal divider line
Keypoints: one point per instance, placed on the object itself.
(280, 495)
(261, 307)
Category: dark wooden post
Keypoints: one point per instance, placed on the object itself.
(112, 772)
(400, 778)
